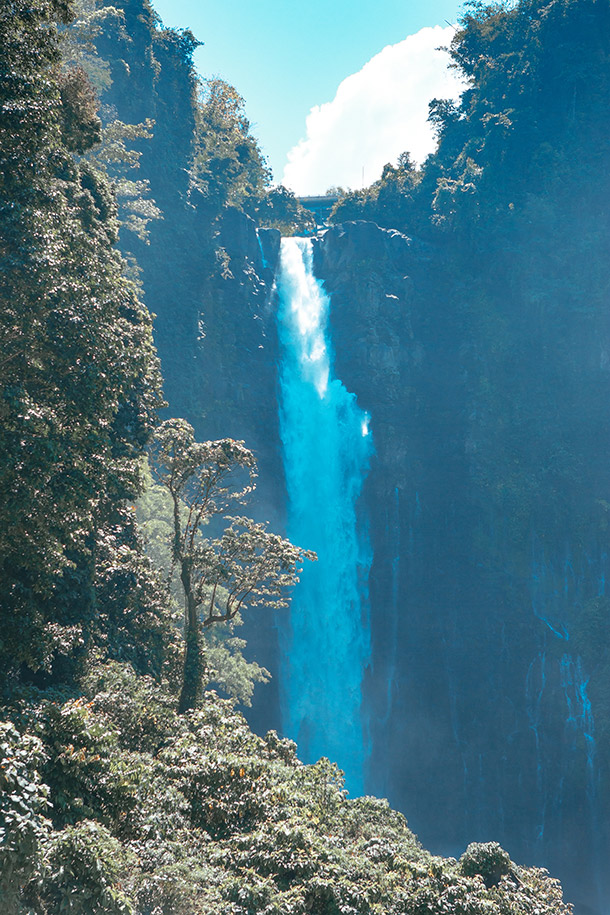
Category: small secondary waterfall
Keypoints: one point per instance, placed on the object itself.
(326, 448)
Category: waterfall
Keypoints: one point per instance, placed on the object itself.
(327, 447)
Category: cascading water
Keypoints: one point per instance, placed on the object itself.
(326, 448)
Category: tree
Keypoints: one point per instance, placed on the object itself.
(244, 567)
(228, 166)
(79, 380)
(280, 209)
(116, 156)
(390, 202)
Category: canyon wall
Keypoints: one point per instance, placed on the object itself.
(487, 691)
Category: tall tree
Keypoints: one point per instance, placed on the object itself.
(228, 165)
(244, 567)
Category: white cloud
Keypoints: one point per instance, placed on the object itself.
(377, 114)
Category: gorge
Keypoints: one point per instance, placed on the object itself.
(481, 360)
(425, 385)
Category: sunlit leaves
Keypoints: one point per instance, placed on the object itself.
(195, 813)
(207, 477)
(228, 165)
(83, 867)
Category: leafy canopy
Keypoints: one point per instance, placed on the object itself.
(245, 566)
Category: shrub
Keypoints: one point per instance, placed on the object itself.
(23, 802)
(83, 869)
(487, 859)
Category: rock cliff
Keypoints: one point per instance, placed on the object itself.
(487, 711)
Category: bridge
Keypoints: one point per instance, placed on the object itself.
(319, 206)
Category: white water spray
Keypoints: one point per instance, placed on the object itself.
(327, 447)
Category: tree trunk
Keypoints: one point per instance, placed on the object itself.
(194, 665)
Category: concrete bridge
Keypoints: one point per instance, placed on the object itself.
(319, 206)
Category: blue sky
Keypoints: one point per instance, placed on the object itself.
(285, 57)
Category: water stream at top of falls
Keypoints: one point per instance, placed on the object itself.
(327, 448)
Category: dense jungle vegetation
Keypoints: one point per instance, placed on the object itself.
(112, 799)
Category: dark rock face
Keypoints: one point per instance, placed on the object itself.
(207, 278)
(239, 339)
(485, 704)
(270, 241)
(487, 711)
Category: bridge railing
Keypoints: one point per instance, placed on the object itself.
(319, 206)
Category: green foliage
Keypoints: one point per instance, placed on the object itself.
(117, 155)
(80, 124)
(85, 78)
(83, 867)
(23, 805)
(244, 567)
(280, 209)
(139, 709)
(390, 202)
(154, 512)
(227, 668)
(134, 619)
(156, 811)
(79, 382)
(78, 41)
(86, 776)
(228, 166)
(487, 859)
